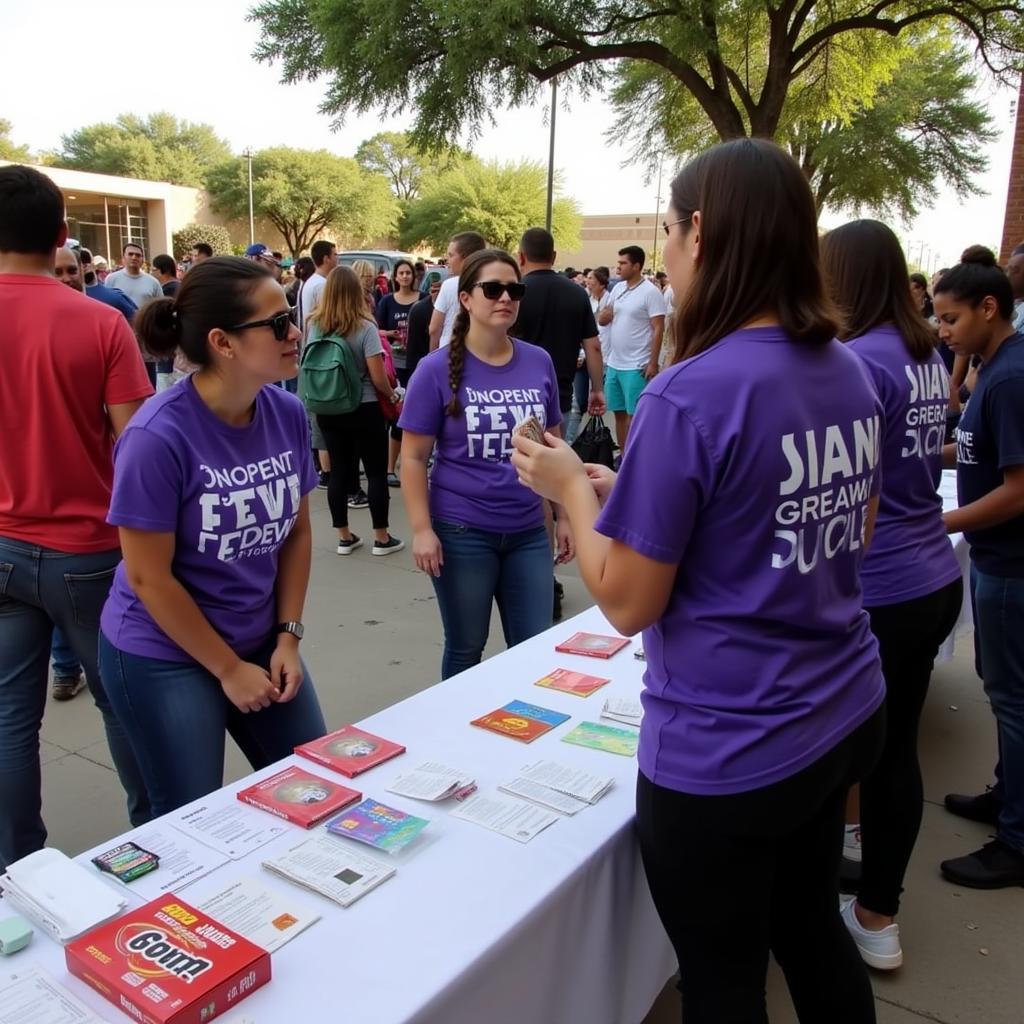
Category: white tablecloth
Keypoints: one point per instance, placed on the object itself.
(474, 927)
(947, 489)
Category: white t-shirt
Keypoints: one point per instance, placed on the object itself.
(631, 333)
(140, 288)
(309, 297)
(602, 332)
(447, 302)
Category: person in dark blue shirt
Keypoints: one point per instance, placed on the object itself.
(95, 289)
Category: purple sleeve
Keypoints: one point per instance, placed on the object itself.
(656, 501)
(147, 483)
(423, 409)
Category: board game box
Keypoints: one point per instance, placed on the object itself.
(350, 751)
(168, 963)
(299, 796)
(592, 645)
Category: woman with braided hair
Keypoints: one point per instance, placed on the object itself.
(477, 532)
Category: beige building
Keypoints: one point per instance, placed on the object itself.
(603, 235)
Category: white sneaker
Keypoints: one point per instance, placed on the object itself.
(880, 949)
(346, 547)
(851, 843)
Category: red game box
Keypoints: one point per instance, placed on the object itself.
(299, 796)
(168, 963)
(350, 751)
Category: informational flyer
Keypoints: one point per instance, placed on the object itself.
(259, 914)
(229, 827)
(539, 794)
(513, 818)
(433, 781)
(31, 994)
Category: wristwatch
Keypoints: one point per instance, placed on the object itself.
(295, 628)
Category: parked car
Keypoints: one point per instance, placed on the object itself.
(385, 258)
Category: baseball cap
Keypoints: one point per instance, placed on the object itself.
(259, 251)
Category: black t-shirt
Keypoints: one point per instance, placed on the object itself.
(171, 288)
(417, 339)
(989, 439)
(556, 315)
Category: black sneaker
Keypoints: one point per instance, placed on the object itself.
(994, 866)
(984, 807)
(387, 547)
(325, 479)
(66, 687)
(346, 547)
(358, 500)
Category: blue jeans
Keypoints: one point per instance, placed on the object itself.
(40, 589)
(480, 567)
(176, 715)
(999, 632)
(65, 664)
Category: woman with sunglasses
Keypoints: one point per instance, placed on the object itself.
(478, 532)
(739, 557)
(200, 635)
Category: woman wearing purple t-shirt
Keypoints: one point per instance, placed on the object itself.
(912, 584)
(200, 634)
(739, 557)
(478, 532)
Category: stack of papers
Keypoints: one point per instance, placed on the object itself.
(434, 781)
(259, 914)
(514, 819)
(558, 786)
(62, 897)
(622, 709)
(32, 995)
(336, 870)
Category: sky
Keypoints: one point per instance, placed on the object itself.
(193, 59)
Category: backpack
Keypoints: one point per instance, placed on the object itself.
(329, 381)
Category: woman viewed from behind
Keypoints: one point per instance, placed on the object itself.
(912, 585)
(740, 559)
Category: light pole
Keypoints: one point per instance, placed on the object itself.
(551, 154)
(247, 153)
(657, 213)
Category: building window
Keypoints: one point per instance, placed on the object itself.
(106, 224)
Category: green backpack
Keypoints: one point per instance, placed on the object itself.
(329, 381)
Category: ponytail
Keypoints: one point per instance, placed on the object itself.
(456, 360)
(158, 327)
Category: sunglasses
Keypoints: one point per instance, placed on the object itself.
(682, 220)
(494, 290)
(280, 323)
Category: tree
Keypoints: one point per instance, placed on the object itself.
(214, 235)
(393, 155)
(303, 192)
(8, 150)
(738, 59)
(158, 148)
(499, 200)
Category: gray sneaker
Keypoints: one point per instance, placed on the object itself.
(66, 687)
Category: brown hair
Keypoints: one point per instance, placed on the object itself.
(460, 328)
(342, 306)
(215, 293)
(759, 229)
(867, 278)
(469, 242)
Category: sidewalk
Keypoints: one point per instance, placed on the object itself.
(373, 637)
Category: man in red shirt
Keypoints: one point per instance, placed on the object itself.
(73, 376)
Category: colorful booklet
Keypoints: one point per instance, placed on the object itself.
(604, 737)
(350, 751)
(577, 683)
(299, 796)
(521, 721)
(593, 645)
(385, 828)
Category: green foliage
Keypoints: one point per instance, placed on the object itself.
(214, 235)
(499, 200)
(303, 193)
(405, 166)
(8, 150)
(157, 148)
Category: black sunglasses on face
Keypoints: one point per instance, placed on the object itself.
(672, 224)
(279, 322)
(494, 290)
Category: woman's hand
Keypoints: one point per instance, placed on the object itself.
(565, 549)
(286, 668)
(547, 469)
(602, 479)
(248, 687)
(427, 552)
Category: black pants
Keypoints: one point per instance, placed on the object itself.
(892, 797)
(355, 437)
(736, 877)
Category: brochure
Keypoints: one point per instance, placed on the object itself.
(350, 751)
(385, 828)
(515, 819)
(299, 796)
(521, 721)
(339, 871)
(264, 917)
(434, 781)
(604, 737)
(571, 781)
(593, 645)
(577, 683)
(33, 995)
(538, 794)
(622, 709)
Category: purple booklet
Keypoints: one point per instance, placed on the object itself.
(378, 825)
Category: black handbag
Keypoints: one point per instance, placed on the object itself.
(594, 443)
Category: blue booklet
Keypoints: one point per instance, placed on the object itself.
(520, 707)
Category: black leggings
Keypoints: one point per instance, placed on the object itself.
(892, 797)
(355, 437)
(736, 877)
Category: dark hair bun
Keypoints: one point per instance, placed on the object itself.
(979, 254)
(158, 328)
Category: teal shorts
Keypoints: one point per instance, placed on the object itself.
(622, 389)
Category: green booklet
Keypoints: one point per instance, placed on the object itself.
(604, 737)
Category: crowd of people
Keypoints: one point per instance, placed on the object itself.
(771, 524)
